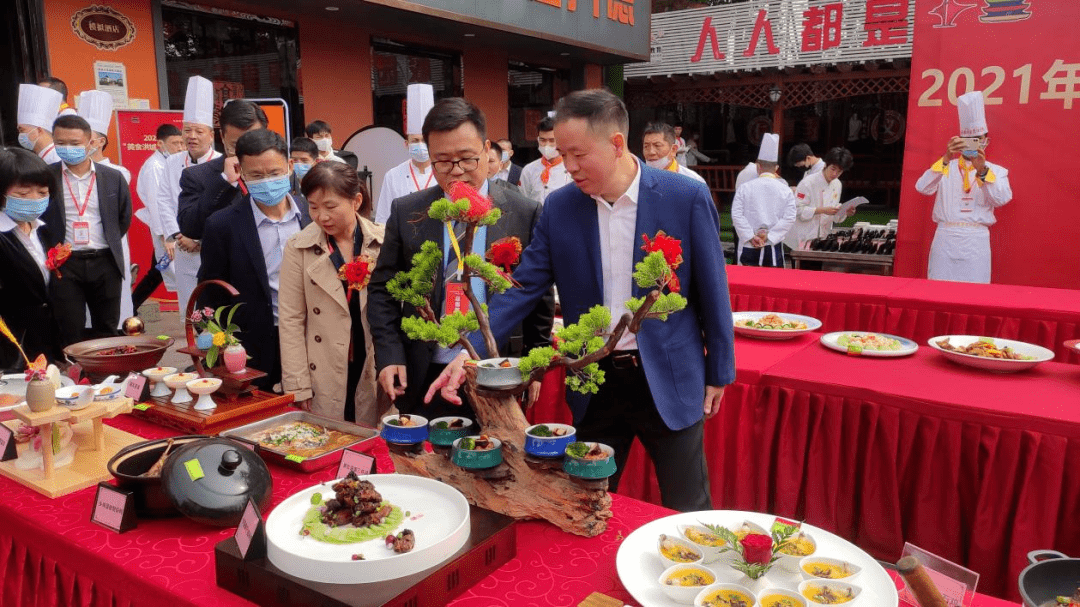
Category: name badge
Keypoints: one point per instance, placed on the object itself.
(82, 232)
(456, 300)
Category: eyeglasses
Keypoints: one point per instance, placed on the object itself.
(465, 164)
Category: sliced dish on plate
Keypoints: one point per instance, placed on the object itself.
(774, 325)
(869, 343)
(990, 353)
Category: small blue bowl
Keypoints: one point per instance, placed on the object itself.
(445, 437)
(591, 469)
(404, 435)
(477, 460)
(549, 446)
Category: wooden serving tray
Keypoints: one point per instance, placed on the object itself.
(492, 542)
(230, 412)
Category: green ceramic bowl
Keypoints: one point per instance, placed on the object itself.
(445, 437)
(592, 469)
(477, 460)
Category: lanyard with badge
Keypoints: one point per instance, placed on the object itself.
(456, 299)
(81, 228)
(417, 182)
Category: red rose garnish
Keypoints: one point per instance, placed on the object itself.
(357, 273)
(479, 205)
(757, 549)
(670, 247)
(56, 258)
(505, 252)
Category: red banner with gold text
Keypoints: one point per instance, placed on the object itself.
(1024, 55)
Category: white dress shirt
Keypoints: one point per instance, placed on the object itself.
(618, 223)
(30, 241)
(81, 187)
(402, 180)
(273, 234)
(533, 187)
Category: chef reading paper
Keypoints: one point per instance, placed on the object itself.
(968, 189)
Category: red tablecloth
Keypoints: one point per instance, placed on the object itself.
(50, 554)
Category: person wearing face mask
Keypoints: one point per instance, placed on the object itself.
(38, 107)
(455, 133)
(198, 132)
(169, 141)
(91, 211)
(659, 147)
(302, 155)
(26, 184)
(319, 132)
(509, 172)
(547, 173)
(328, 358)
(414, 174)
(967, 189)
(243, 244)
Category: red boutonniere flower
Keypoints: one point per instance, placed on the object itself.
(56, 258)
(505, 252)
(479, 205)
(357, 273)
(672, 250)
(757, 549)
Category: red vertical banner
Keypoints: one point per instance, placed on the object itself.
(1024, 56)
(137, 131)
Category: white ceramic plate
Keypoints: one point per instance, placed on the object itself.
(639, 565)
(1074, 345)
(441, 529)
(907, 347)
(997, 365)
(812, 324)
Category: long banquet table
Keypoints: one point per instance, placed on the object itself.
(50, 554)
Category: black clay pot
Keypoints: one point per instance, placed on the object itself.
(1051, 574)
(133, 460)
(210, 481)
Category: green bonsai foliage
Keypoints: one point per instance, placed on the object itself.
(463, 209)
(489, 272)
(654, 271)
(446, 333)
(414, 286)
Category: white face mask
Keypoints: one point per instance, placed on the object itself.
(418, 151)
(659, 163)
(505, 157)
(549, 151)
(326, 144)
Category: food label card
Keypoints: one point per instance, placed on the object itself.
(136, 389)
(354, 461)
(250, 534)
(956, 584)
(114, 508)
(7, 444)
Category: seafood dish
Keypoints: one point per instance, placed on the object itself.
(984, 348)
(773, 322)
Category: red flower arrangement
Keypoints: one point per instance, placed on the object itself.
(672, 250)
(505, 252)
(56, 258)
(479, 205)
(357, 273)
(757, 549)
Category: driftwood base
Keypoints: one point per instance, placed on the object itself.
(522, 487)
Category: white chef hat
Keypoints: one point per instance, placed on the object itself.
(96, 107)
(972, 114)
(421, 98)
(38, 106)
(770, 148)
(199, 101)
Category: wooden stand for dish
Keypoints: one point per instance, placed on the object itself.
(95, 443)
(230, 412)
(515, 488)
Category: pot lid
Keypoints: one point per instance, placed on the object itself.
(211, 480)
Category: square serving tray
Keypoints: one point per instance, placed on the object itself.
(281, 457)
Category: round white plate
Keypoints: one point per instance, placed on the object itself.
(907, 347)
(441, 529)
(998, 365)
(1074, 345)
(812, 324)
(639, 565)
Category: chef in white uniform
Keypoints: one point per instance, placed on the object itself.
(96, 107)
(968, 189)
(150, 175)
(199, 139)
(414, 174)
(38, 107)
(763, 211)
(817, 200)
(547, 173)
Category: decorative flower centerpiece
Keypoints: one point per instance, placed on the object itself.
(223, 334)
(756, 552)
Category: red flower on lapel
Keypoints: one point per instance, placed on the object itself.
(671, 248)
(479, 205)
(505, 252)
(357, 273)
(56, 258)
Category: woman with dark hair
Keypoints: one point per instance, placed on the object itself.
(327, 356)
(25, 186)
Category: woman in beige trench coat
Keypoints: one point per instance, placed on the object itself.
(321, 357)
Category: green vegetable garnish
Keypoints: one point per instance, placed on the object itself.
(468, 444)
(442, 426)
(541, 430)
(578, 450)
(394, 422)
(316, 498)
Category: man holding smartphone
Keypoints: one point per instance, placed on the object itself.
(968, 188)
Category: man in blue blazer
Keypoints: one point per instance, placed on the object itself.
(242, 244)
(665, 381)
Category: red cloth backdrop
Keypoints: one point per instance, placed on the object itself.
(1026, 60)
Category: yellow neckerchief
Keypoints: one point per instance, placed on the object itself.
(673, 167)
(964, 168)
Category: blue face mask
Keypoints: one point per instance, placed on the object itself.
(418, 152)
(301, 169)
(26, 142)
(71, 154)
(25, 209)
(269, 191)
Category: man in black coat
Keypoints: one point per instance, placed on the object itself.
(454, 131)
(91, 211)
(242, 245)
